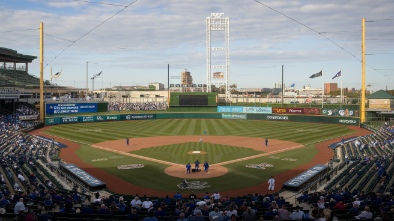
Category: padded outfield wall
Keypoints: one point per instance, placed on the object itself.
(237, 116)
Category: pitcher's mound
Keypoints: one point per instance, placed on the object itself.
(180, 171)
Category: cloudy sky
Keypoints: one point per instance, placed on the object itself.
(132, 41)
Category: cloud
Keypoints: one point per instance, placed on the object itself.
(150, 34)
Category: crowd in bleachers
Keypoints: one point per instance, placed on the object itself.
(146, 106)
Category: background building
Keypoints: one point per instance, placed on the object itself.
(186, 78)
(328, 87)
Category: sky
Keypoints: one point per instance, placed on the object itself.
(133, 41)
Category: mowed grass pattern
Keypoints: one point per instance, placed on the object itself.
(303, 133)
(213, 153)
(152, 175)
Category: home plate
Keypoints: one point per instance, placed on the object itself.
(196, 151)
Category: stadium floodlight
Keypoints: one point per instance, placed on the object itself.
(217, 22)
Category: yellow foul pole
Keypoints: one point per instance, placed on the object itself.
(42, 109)
(362, 104)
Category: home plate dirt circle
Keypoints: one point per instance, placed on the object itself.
(180, 171)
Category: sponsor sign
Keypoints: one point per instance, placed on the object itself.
(340, 112)
(279, 117)
(257, 110)
(28, 117)
(231, 109)
(295, 110)
(287, 110)
(348, 121)
(234, 116)
(69, 120)
(172, 85)
(112, 117)
(279, 110)
(51, 121)
(305, 176)
(82, 175)
(137, 116)
(86, 118)
(312, 111)
(70, 108)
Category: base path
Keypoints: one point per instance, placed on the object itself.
(122, 187)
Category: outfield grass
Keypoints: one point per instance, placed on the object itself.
(152, 175)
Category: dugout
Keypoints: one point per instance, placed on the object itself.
(80, 177)
(304, 179)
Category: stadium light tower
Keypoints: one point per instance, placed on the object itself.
(217, 22)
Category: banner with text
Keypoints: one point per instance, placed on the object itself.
(258, 110)
(230, 109)
(287, 110)
(340, 112)
(70, 108)
(234, 116)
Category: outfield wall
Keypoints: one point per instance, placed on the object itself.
(237, 116)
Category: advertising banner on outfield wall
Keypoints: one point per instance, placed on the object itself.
(287, 110)
(230, 109)
(234, 116)
(312, 111)
(137, 116)
(106, 117)
(70, 108)
(340, 112)
(65, 120)
(277, 117)
(257, 110)
(52, 121)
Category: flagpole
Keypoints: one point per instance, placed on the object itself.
(341, 89)
(322, 82)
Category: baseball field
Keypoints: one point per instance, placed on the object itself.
(153, 163)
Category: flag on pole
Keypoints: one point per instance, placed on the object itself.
(292, 85)
(337, 75)
(99, 73)
(57, 75)
(318, 74)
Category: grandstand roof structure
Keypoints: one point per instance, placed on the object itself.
(381, 94)
(9, 55)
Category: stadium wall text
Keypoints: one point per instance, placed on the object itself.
(239, 116)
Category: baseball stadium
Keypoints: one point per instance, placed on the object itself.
(191, 150)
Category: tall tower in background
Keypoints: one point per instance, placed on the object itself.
(218, 51)
(186, 80)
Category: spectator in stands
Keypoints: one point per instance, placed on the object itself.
(249, 215)
(103, 210)
(321, 203)
(366, 214)
(231, 211)
(122, 206)
(147, 204)
(182, 217)
(340, 206)
(215, 213)
(136, 203)
(354, 211)
(297, 214)
(151, 217)
(19, 207)
(177, 196)
(48, 203)
(303, 198)
(283, 213)
(4, 202)
(133, 216)
(216, 197)
(197, 217)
